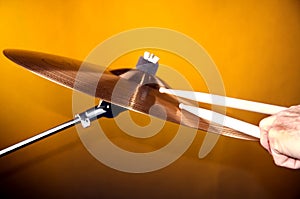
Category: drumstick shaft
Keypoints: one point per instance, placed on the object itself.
(223, 120)
(225, 101)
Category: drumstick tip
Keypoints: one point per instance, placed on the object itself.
(181, 105)
(163, 90)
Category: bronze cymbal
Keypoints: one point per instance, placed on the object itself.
(114, 87)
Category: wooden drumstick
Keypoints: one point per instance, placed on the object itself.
(225, 101)
(223, 120)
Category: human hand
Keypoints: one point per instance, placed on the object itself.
(280, 135)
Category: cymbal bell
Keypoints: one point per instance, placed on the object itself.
(115, 87)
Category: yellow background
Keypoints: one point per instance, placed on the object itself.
(255, 45)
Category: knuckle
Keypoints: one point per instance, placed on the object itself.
(267, 122)
(273, 134)
(277, 162)
(279, 159)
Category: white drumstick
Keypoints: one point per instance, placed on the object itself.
(223, 120)
(225, 101)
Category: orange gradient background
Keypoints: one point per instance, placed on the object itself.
(255, 45)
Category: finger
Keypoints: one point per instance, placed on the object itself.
(280, 159)
(285, 161)
(267, 122)
(265, 126)
(264, 140)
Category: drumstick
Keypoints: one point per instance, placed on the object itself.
(225, 101)
(223, 120)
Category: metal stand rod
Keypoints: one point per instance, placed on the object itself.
(39, 136)
(84, 118)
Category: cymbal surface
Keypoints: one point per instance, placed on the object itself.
(114, 87)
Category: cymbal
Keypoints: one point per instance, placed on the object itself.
(114, 87)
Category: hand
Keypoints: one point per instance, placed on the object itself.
(280, 135)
